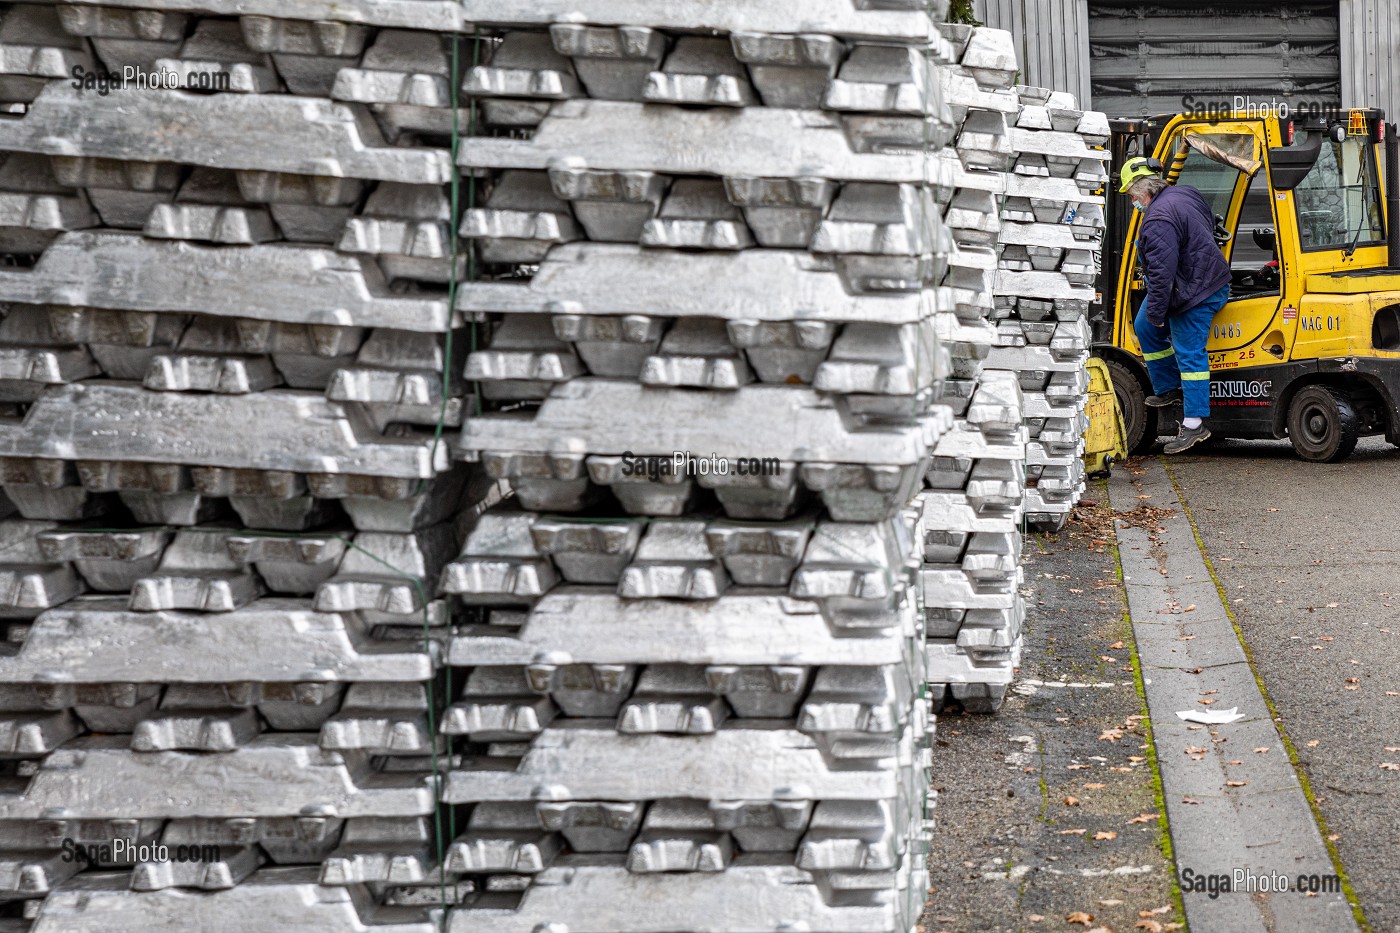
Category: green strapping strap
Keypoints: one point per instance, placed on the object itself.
(1196, 377)
(1159, 355)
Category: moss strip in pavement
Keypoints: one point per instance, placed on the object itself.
(1164, 840)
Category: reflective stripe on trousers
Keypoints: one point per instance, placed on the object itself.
(1176, 354)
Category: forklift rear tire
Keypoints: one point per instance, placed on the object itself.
(1139, 421)
(1322, 424)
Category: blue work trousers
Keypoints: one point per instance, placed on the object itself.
(1176, 354)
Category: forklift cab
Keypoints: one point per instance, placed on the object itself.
(1298, 202)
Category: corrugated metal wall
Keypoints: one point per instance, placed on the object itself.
(1370, 37)
(1052, 40)
(1306, 43)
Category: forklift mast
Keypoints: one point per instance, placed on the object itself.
(1128, 139)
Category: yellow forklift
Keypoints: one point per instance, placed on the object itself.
(1308, 346)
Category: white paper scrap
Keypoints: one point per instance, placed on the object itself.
(1211, 717)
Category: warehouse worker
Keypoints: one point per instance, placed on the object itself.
(1188, 280)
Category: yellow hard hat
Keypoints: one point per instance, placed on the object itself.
(1133, 169)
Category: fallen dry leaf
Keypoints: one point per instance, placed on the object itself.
(1151, 926)
(1071, 801)
(1236, 783)
(1071, 832)
(1312, 744)
(1190, 608)
(1261, 750)
(1102, 786)
(1389, 766)
(1143, 818)
(1271, 510)
(1110, 902)
(1189, 800)
(1080, 916)
(1115, 646)
(1106, 834)
(1077, 767)
(1206, 702)
(1035, 918)
(1237, 762)
(1154, 912)
(1353, 680)
(1187, 638)
(1209, 693)
(1136, 758)
(1194, 750)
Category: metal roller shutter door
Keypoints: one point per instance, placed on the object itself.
(1145, 57)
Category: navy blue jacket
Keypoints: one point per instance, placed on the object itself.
(1177, 245)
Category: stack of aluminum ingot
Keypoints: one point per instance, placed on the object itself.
(697, 689)
(267, 363)
(231, 511)
(1051, 234)
(970, 514)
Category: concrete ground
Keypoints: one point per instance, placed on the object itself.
(1048, 809)
(1308, 556)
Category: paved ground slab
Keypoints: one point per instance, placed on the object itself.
(1309, 555)
(1235, 806)
(1010, 850)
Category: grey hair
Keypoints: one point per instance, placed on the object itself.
(1147, 187)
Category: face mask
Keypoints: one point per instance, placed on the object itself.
(1137, 206)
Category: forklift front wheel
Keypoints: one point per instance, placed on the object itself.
(1322, 424)
(1139, 421)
